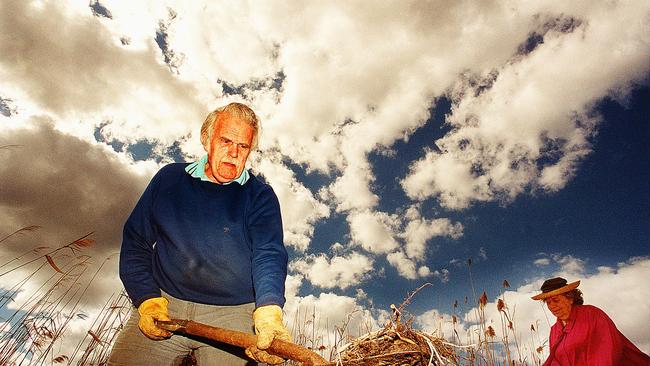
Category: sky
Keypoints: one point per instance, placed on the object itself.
(403, 138)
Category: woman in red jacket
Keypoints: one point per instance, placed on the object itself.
(584, 334)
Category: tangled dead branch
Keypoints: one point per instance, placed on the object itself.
(397, 344)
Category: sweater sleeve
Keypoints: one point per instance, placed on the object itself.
(269, 254)
(136, 254)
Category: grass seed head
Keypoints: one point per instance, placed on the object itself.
(490, 332)
(61, 359)
(483, 300)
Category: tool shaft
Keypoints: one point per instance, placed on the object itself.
(286, 350)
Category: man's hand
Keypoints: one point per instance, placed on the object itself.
(150, 310)
(268, 326)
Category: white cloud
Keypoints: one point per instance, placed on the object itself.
(352, 189)
(71, 67)
(373, 231)
(530, 127)
(408, 268)
(454, 187)
(361, 295)
(339, 271)
(367, 100)
(292, 285)
(137, 22)
(419, 230)
(300, 209)
(380, 105)
(570, 265)
(320, 320)
(381, 233)
(439, 324)
(542, 262)
(234, 30)
(67, 186)
(442, 274)
(424, 271)
(405, 266)
(337, 104)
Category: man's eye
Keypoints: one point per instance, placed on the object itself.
(225, 141)
(244, 146)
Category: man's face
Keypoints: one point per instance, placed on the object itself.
(228, 148)
(560, 306)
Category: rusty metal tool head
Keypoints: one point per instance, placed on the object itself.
(175, 325)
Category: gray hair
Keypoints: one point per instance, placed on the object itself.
(576, 296)
(236, 110)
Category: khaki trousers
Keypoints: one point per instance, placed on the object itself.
(133, 348)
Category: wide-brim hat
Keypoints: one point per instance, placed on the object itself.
(555, 286)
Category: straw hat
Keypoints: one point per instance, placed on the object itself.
(555, 286)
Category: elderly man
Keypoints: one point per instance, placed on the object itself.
(204, 243)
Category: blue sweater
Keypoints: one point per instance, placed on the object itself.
(204, 242)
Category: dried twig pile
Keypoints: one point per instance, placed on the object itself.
(396, 344)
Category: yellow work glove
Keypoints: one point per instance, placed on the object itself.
(150, 310)
(268, 326)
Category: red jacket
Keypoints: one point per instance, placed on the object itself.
(590, 338)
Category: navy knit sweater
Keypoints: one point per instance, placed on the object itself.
(204, 242)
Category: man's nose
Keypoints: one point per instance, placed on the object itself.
(233, 150)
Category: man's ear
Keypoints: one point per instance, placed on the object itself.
(204, 137)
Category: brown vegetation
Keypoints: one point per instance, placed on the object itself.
(59, 280)
(51, 286)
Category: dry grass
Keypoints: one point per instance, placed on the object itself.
(53, 288)
(397, 343)
(60, 279)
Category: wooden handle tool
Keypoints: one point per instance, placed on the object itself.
(286, 350)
